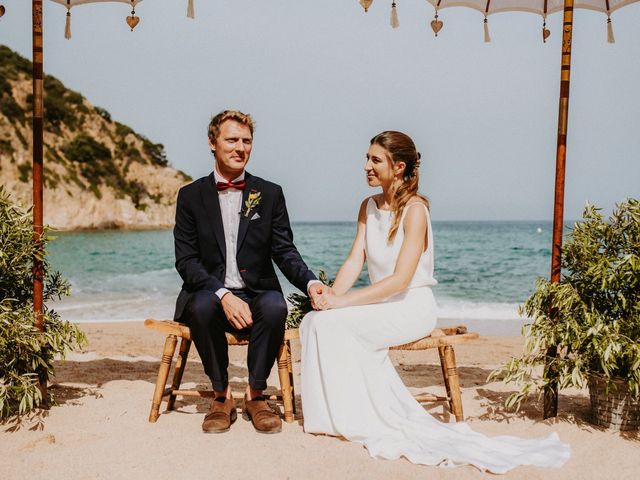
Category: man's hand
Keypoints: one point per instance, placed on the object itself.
(237, 311)
(316, 290)
(330, 300)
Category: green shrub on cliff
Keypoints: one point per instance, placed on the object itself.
(8, 105)
(12, 64)
(97, 167)
(26, 355)
(93, 158)
(155, 151)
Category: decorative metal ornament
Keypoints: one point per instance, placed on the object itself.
(545, 31)
(133, 20)
(436, 25)
(366, 4)
(2, 10)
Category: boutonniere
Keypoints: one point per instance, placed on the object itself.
(253, 200)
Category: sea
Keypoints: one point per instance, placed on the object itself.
(485, 270)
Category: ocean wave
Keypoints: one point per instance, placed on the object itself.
(468, 310)
(127, 308)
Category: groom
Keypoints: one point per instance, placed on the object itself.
(229, 227)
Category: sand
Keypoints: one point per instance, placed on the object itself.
(99, 429)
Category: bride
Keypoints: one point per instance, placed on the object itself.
(349, 385)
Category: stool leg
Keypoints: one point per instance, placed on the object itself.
(285, 383)
(163, 374)
(445, 376)
(290, 369)
(454, 383)
(181, 362)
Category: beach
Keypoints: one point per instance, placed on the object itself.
(99, 428)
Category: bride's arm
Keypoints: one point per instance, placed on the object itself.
(352, 266)
(413, 244)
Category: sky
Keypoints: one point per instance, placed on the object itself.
(322, 77)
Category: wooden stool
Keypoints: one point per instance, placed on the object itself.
(443, 339)
(175, 330)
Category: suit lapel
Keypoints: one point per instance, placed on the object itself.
(212, 208)
(244, 219)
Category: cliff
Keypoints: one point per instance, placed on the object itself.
(98, 173)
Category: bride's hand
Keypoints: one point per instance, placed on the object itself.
(316, 290)
(330, 300)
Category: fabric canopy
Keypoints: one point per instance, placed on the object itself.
(541, 7)
(73, 3)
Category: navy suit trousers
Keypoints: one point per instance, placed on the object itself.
(208, 325)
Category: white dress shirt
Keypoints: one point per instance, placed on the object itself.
(230, 205)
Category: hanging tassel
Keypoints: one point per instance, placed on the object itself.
(190, 12)
(366, 4)
(67, 26)
(487, 38)
(610, 37)
(394, 16)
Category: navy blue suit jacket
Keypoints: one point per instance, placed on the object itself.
(200, 240)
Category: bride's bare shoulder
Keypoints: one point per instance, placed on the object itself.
(417, 199)
(375, 199)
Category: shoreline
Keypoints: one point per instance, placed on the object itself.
(163, 227)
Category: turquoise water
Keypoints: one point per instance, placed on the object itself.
(484, 269)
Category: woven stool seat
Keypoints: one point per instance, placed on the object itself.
(443, 339)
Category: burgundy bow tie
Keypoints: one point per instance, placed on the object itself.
(221, 186)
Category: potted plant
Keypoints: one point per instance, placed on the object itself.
(593, 317)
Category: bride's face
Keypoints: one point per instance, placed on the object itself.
(380, 169)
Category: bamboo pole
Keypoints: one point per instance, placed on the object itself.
(38, 113)
(551, 391)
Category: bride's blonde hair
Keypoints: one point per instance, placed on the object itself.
(401, 149)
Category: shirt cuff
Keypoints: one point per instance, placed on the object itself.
(311, 282)
(221, 292)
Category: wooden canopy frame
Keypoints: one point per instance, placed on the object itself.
(550, 393)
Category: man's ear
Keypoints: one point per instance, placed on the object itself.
(211, 146)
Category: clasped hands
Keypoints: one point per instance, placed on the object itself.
(239, 315)
(323, 297)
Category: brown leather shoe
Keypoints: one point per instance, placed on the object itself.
(263, 418)
(222, 414)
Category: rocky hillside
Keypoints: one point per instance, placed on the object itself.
(98, 172)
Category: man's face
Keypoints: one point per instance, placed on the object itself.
(232, 148)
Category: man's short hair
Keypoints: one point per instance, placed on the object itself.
(220, 118)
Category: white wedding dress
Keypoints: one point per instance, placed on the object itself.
(351, 389)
